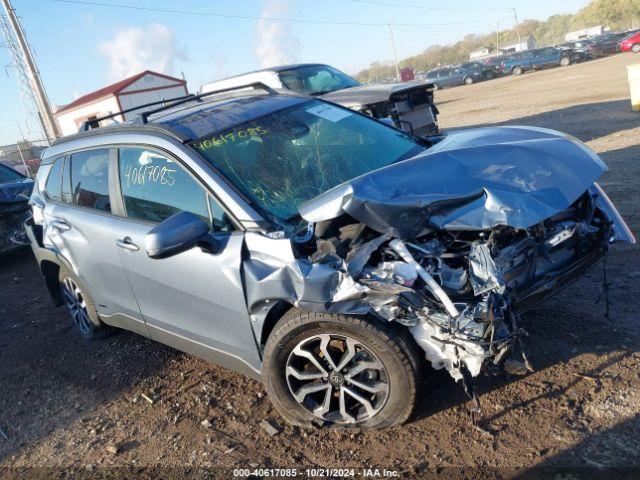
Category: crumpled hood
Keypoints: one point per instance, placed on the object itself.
(473, 179)
(370, 94)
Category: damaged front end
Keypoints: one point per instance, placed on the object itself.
(14, 211)
(456, 269)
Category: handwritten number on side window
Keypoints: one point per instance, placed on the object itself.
(149, 174)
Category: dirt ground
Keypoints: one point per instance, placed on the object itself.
(68, 403)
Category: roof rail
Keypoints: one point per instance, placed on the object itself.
(143, 116)
(95, 122)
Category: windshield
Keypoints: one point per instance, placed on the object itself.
(9, 175)
(290, 156)
(316, 79)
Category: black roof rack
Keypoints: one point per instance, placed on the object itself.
(95, 122)
(142, 117)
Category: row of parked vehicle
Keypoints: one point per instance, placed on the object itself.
(518, 63)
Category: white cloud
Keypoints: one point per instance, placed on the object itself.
(275, 43)
(133, 50)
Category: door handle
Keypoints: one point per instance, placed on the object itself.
(60, 225)
(127, 244)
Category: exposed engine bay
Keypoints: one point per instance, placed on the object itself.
(460, 292)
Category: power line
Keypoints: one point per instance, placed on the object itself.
(269, 19)
(427, 7)
(18, 43)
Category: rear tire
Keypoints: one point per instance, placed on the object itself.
(374, 360)
(81, 307)
(468, 80)
(565, 61)
(636, 48)
(517, 71)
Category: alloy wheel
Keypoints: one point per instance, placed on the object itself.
(77, 306)
(337, 378)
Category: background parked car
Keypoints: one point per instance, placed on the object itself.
(495, 63)
(15, 190)
(453, 76)
(606, 44)
(584, 46)
(409, 105)
(547, 57)
(631, 43)
(487, 72)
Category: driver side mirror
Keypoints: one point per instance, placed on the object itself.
(179, 233)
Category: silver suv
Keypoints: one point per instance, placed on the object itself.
(315, 248)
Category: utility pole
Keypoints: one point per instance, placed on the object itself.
(40, 95)
(395, 55)
(498, 39)
(515, 15)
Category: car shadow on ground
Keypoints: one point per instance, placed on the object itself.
(603, 118)
(49, 376)
(611, 453)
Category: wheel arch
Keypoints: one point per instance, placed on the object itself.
(276, 312)
(281, 308)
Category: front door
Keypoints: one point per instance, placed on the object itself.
(193, 300)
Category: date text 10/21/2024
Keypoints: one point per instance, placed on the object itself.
(315, 472)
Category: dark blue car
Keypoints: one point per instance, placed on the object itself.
(15, 190)
(537, 59)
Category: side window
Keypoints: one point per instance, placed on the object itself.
(54, 181)
(90, 179)
(155, 187)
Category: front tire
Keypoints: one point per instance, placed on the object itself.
(517, 71)
(345, 371)
(636, 48)
(468, 80)
(81, 308)
(565, 61)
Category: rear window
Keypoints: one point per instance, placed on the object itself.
(90, 179)
(316, 79)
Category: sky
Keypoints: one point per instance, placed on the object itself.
(80, 47)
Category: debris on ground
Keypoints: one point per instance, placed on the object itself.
(271, 427)
(112, 449)
(206, 423)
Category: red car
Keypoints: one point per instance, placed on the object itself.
(631, 43)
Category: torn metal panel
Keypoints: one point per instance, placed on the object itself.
(471, 180)
(483, 272)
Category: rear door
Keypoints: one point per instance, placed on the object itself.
(444, 77)
(79, 227)
(457, 76)
(194, 300)
(549, 57)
